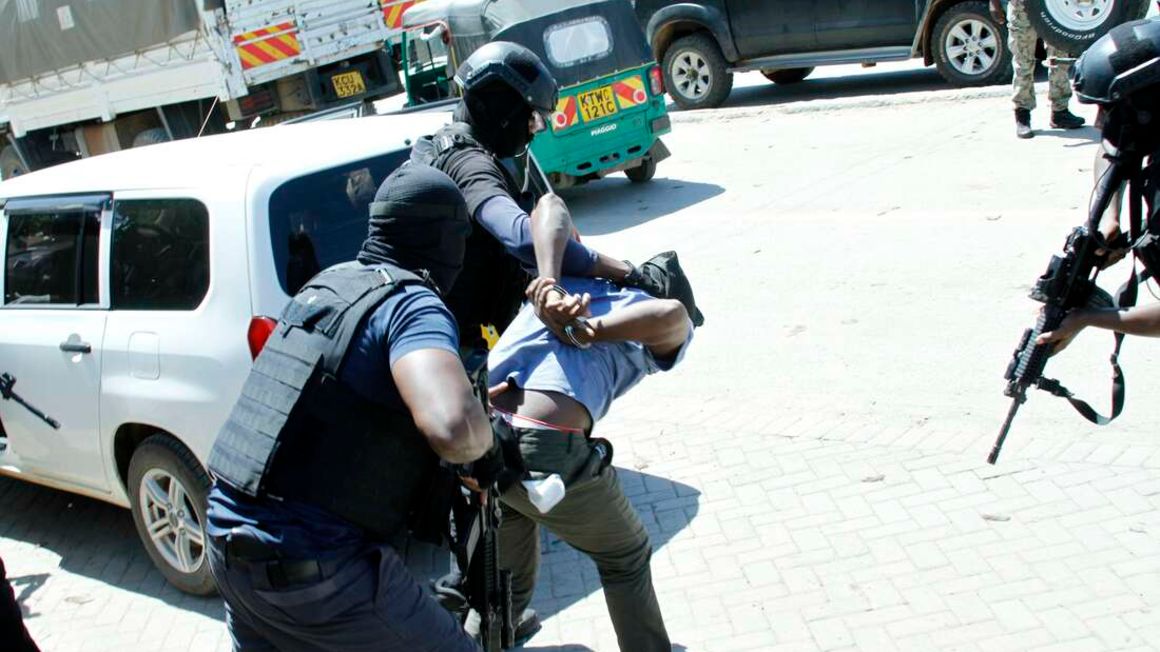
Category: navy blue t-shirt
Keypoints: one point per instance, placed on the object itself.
(411, 319)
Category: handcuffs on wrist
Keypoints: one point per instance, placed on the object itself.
(570, 329)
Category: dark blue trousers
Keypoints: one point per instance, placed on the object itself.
(364, 600)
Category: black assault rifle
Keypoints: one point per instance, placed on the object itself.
(1068, 283)
(487, 587)
(6, 383)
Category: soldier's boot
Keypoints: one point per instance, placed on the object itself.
(1065, 119)
(1023, 123)
(527, 627)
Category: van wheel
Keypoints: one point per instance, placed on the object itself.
(643, 172)
(695, 72)
(1072, 26)
(10, 165)
(167, 493)
(787, 75)
(970, 48)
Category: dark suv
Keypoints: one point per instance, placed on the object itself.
(700, 44)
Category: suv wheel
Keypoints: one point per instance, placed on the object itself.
(787, 75)
(1072, 25)
(695, 73)
(167, 492)
(970, 47)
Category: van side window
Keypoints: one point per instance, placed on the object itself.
(320, 219)
(51, 256)
(160, 254)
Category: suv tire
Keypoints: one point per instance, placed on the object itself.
(1072, 28)
(970, 48)
(787, 75)
(167, 493)
(695, 72)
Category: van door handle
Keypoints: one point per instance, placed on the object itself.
(76, 347)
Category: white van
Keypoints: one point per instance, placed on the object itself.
(138, 286)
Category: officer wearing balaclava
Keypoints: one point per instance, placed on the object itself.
(508, 97)
(332, 451)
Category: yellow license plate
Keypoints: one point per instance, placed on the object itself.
(597, 104)
(348, 84)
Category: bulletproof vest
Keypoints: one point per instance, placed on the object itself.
(297, 433)
(491, 286)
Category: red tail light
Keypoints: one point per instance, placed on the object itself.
(258, 332)
(655, 81)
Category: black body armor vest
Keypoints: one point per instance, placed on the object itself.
(297, 433)
(490, 289)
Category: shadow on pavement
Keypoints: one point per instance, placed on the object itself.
(93, 539)
(615, 203)
(826, 88)
(24, 587)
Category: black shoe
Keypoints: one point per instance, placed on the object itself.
(1023, 123)
(1066, 120)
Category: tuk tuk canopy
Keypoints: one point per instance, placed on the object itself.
(579, 40)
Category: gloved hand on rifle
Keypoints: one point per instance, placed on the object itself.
(500, 466)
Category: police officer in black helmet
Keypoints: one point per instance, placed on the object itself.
(332, 451)
(508, 97)
(1121, 74)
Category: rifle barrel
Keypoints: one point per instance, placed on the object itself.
(1015, 403)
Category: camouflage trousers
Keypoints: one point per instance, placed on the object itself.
(1021, 39)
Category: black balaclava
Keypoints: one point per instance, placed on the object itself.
(498, 117)
(418, 222)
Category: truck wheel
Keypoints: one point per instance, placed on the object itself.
(1073, 25)
(643, 172)
(695, 72)
(10, 165)
(167, 493)
(787, 75)
(150, 137)
(970, 48)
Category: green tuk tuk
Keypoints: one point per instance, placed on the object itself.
(611, 111)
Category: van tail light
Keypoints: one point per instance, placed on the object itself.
(655, 81)
(258, 332)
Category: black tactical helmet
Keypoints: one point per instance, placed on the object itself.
(514, 65)
(1122, 64)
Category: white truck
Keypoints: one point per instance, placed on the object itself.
(80, 78)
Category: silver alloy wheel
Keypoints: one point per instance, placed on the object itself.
(171, 521)
(691, 75)
(1080, 15)
(972, 47)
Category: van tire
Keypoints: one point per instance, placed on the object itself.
(160, 461)
(10, 165)
(971, 19)
(696, 55)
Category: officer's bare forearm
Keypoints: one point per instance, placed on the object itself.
(662, 325)
(1110, 220)
(435, 390)
(1141, 320)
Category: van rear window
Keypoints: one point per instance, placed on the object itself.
(320, 219)
(578, 41)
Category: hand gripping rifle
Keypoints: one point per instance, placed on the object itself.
(1069, 283)
(488, 588)
(6, 393)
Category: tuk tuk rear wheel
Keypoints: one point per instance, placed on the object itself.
(643, 172)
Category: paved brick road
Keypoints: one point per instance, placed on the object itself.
(813, 478)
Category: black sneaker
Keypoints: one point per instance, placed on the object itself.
(1023, 123)
(1066, 120)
